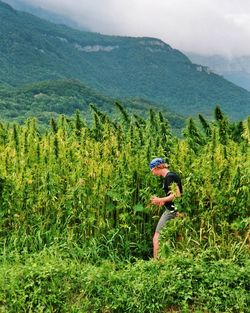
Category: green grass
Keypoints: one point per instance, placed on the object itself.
(52, 282)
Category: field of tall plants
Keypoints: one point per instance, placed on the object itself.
(76, 223)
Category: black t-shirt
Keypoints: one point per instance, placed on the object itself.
(170, 178)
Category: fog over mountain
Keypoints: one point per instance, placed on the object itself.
(236, 70)
(205, 27)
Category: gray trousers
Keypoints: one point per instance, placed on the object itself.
(166, 216)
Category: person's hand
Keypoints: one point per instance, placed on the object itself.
(157, 201)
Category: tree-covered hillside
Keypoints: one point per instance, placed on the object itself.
(33, 50)
(53, 17)
(48, 99)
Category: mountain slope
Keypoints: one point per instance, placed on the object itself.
(34, 50)
(236, 70)
(47, 99)
(22, 5)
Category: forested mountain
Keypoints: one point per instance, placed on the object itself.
(236, 69)
(48, 99)
(33, 50)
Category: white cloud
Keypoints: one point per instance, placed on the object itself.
(203, 26)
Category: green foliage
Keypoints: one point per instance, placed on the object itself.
(49, 282)
(75, 216)
(84, 181)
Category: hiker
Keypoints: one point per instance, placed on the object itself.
(158, 167)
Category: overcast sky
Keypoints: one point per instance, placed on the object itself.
(202, 26)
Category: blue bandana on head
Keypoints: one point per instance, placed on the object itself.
(155, 162)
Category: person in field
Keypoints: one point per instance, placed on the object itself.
(158, 167)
